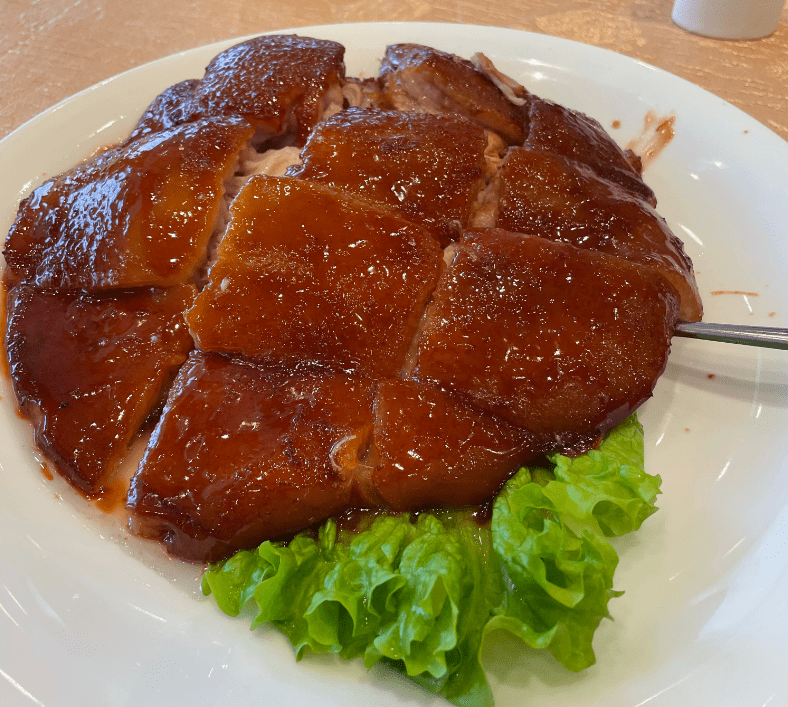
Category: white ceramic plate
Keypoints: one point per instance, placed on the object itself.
(89, 616)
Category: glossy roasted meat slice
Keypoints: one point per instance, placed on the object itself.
(578, 138)
(243, 454)
(136, 216)
(429, 168)
(311, 276)
(172, 107)
(546, 195)
(436, 449)
(561, 341)
(279, 83)
(88, 369)
(419, 78)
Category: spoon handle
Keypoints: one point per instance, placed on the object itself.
(766, 337)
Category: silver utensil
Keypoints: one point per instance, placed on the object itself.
(766, 337)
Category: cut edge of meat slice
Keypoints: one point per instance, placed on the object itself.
(514, 92)
(484, 213)
(363, 93)
(272, 162)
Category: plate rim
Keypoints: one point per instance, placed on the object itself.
(454, 27)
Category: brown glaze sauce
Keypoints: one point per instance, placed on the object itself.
(5, 369)
(658, 132)
(735, 292)
(328, 257)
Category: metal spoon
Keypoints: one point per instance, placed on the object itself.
(766, 337)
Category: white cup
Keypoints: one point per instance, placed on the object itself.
(728, 19)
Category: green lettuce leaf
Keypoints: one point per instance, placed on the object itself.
(423, 594)
(560, 583)
(607, 487)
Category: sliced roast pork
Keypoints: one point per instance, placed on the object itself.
(172, 107)
(311, 276)
(426, 80)
(561, 341)
(243, 454)
(137, 216)
(89, 369)
(544, 194)
(246, 452)
(341, 362)
(428, 168)
(436, 449)
(280, 83)
(578, 138)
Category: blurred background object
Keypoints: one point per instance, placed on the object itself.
(729, 19)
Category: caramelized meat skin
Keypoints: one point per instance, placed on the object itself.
(89, 369)
(545, 195)
(278, 83)
(558, 340)
(243, 454)
(137, 216)
(418, 78)
(172, 107)
(309, 276)
(330, 287)
(436, 449)
(428, 168)
(578, 138)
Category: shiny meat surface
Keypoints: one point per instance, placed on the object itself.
(243, 454)
(418, 78)
(89, 369)
(558, 340)
(279, 83)
(341, 363)
(435, 449)
(545, 195)
(429, 168)
(132, 217)
(577, 137)
(172, 107)
(310, 276)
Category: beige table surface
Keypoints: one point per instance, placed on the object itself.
(52, 49)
